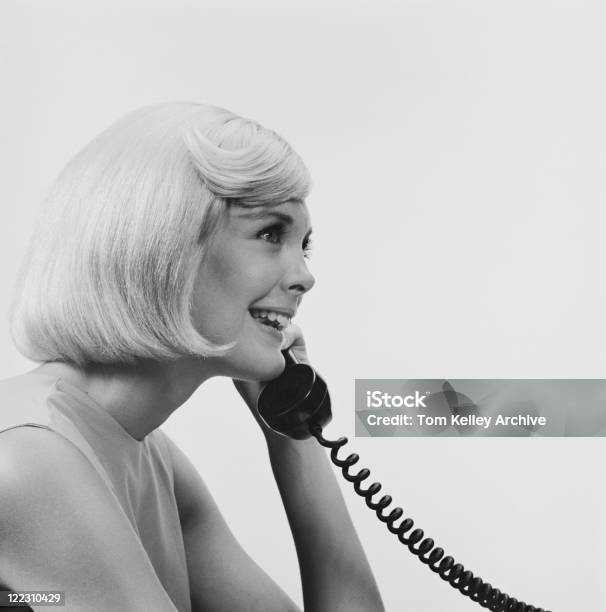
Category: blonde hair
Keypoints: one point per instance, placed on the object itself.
(109, 273)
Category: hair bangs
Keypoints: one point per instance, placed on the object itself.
(246, 164)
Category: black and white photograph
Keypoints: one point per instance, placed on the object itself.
(304, 306)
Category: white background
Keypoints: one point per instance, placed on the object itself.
(456, 152)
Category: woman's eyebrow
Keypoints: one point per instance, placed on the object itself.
(263, 214)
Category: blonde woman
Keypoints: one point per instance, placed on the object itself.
(170, 250)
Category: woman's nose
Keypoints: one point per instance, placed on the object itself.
(300, 280)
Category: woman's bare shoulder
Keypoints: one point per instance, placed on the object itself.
(42, 470)
(39, 457)
(63, 528)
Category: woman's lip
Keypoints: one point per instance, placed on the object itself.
(275, 333)
(288, 312)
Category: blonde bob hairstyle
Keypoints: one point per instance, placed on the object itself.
(109, 273)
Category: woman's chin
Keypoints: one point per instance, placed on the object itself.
(269, 371)
(259, 368)
(276, 372)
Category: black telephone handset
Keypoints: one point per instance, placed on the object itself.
(297, 405)
(296, 402)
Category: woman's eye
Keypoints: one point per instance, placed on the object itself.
(272, 234)
(275, 235)
(307, 248)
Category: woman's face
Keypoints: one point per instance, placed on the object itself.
(250, 284)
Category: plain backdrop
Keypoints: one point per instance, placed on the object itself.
(456, 150)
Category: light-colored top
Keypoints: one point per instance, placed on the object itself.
(139, 474)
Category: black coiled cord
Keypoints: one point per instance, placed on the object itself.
(454, 573)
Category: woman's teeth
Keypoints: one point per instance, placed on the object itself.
(270, 317)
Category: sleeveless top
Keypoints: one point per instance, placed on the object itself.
(138, 474)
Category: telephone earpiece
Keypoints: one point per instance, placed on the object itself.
(297, 405)
(296, 401)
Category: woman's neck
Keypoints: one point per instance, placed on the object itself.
(139, 397)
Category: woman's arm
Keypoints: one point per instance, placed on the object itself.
(334, 570)
(222, 577)
(335, 573)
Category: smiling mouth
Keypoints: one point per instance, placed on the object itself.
(270, 318)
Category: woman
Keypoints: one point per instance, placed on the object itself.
(171, 250)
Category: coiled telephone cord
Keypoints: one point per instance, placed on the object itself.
(453, 573)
